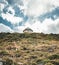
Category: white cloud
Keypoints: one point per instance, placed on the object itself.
(48, 26)
(38, 7)
(1, 6)
(11, 18)
(19, 29)
(4, 28)
(34, 8)
(3, 3)
(55, 2)
(12, 10)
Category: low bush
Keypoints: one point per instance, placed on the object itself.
(55, 56)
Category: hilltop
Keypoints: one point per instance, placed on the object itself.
(29, 48)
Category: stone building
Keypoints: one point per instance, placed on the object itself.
(28, 30)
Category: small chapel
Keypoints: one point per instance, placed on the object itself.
(28, 30)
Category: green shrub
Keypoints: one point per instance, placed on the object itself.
(55, 56)
(34, 63)
(39, 61)
(33, 57)
(9, 62)
(49, 63)
(3, 52)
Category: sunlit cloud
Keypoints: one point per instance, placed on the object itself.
(4, 28)
(12, 18)
(39, 15)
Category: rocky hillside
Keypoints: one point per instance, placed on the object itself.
(29, 49)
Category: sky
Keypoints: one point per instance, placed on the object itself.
(42, 16)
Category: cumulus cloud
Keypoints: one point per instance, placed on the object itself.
(55, 2)
(11, 18)
(48, 26)
(38, 7)
(33, 9)
(1, 7)
(3, 4)
(4, 28)
(15, 2)
(10, 9)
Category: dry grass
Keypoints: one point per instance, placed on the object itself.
(31, 51)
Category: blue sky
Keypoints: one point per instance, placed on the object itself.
(39, 15)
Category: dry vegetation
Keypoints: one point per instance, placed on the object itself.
(29, 49)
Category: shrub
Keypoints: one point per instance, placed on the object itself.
(55, 56)
(49, 63)
(34, 63)
(3, 52)
(33, 57)
(38, 61)
(9, 62)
